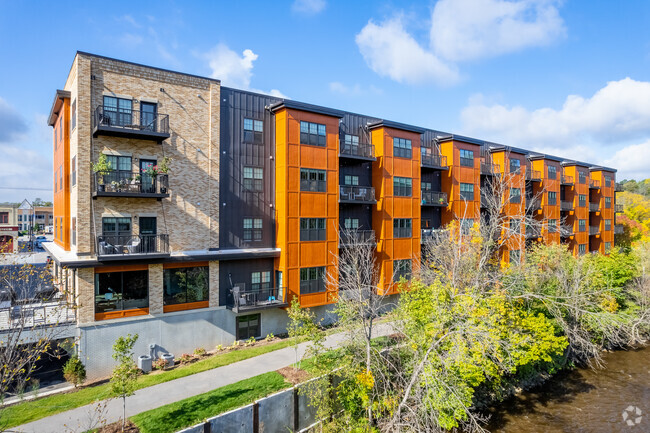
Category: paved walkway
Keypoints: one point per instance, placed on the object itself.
(84, 418)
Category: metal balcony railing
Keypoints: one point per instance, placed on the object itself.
(618, 229)
(534, 175)
(594, 184)
(594, 230)
(534, 203)
(618, 187)
(619, 208)
(594, 207)
(566, 231)
(566, 180)
(135, 123)
(360, 150)
(357, 237)
(432, 234)
(257, 299)
(434, 198)
(127, 183)
(434, 161)
(533, 232)
(566, 205)
(488, 169)
(358, 194)
(132, 246)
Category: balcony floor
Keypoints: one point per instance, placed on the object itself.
(157, 196)
(134, 256)
(258, 306)
(141, 134)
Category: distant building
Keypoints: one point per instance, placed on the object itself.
(41, 216)
(8, 229)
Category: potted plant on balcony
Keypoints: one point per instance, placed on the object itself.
(163, 169)
(101, 167)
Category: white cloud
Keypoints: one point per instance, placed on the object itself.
(391, 51)
(632, 162)
(618, 112)
(231, 68)
(353, 90)
(308, 7)
(471, 29)
(12, 124)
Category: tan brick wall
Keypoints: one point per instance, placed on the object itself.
(156, 289)
(85, 295)
(214, 284)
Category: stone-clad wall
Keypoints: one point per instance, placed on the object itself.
(191, 214)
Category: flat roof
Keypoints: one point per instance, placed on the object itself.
(302, 106)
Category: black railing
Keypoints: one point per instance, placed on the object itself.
(432, 234)
(618, 187)
(594, 184)
(619, 208)
(130, 183)
(267, 297)
(484, 200)
(357, 237)
(618, 229)
(434, 198)
(534, 175)
(132, 245)
(361, 150)
(534, 203)
(434, 161)
(361, 194)
(490, 169)
(566, 231)
(533, 232)
(566, 180)
(566, 205)
(594, 230)
(594, 207)
(135, 120)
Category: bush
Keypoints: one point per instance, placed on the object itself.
(74, 371)
(159, 364)
(200, 351)
(186, 358)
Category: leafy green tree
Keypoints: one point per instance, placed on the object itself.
(125, 374)
(74, 371)
(302, 323)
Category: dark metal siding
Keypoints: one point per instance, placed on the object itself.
(361, 211)
(237, 203)
(363, 170)
(239, 271)
(432, 215)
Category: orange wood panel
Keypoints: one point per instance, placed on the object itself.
(122, 313)
(176, 265)
(61, 161)
(122, 268)
(185, 306)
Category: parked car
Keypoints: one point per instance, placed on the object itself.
(39, 241)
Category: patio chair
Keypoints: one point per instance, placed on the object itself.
(133, 245)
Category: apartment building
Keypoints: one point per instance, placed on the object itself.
(34, 216)
(192, 213)
(8, 229)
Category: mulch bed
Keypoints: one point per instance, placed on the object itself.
(116, 427)
(294, 375)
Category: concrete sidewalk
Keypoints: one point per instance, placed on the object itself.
(84, 418)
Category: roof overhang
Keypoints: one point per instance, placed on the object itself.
(295, 105)
(59, 97)
(396, 125)
(599, 168)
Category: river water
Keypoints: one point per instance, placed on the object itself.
(584, 400)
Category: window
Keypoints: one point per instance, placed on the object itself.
(116, 231)
(608, 246)
(608, 181)
(312, 229)
(466, 158)
(351, 180)
(552, 226)
(253, 178)
(515, 195)
(608, 224)
(402, 186)
(402, 228)
(4, 217)
(401, 148)
(61, 177)
(515, 225)
(116, 291)
(466, 226)
(61, 128)
(73, 171)
(61, 229)
(552, 198)
(515, 256)
(260, 281)
(426, 186)
(56, 228)
(351, 223)
(312, 133)
(313, 180)
(117, 111)
(73, 231)
(312, 280)
(552, 172)
(401, 269)
(253, 131)
(184, 285)
(608, 202)
(582, 249)
(73, 115)
(252, 229)
(20, 217)
(351, 140)
(582, 200)
(582, 225)
(582, 177)
(515, 166)
(467, 191)
(248, 326)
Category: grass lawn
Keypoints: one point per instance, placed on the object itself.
(32, 410)
(193, 410)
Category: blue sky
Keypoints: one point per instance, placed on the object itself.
(565, 77)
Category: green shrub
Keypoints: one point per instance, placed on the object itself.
(74, 371)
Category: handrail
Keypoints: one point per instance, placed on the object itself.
(130, 119)
(126, 245)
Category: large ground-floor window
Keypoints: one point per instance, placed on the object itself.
(121, 291)
(248, 326)
(186, 286)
